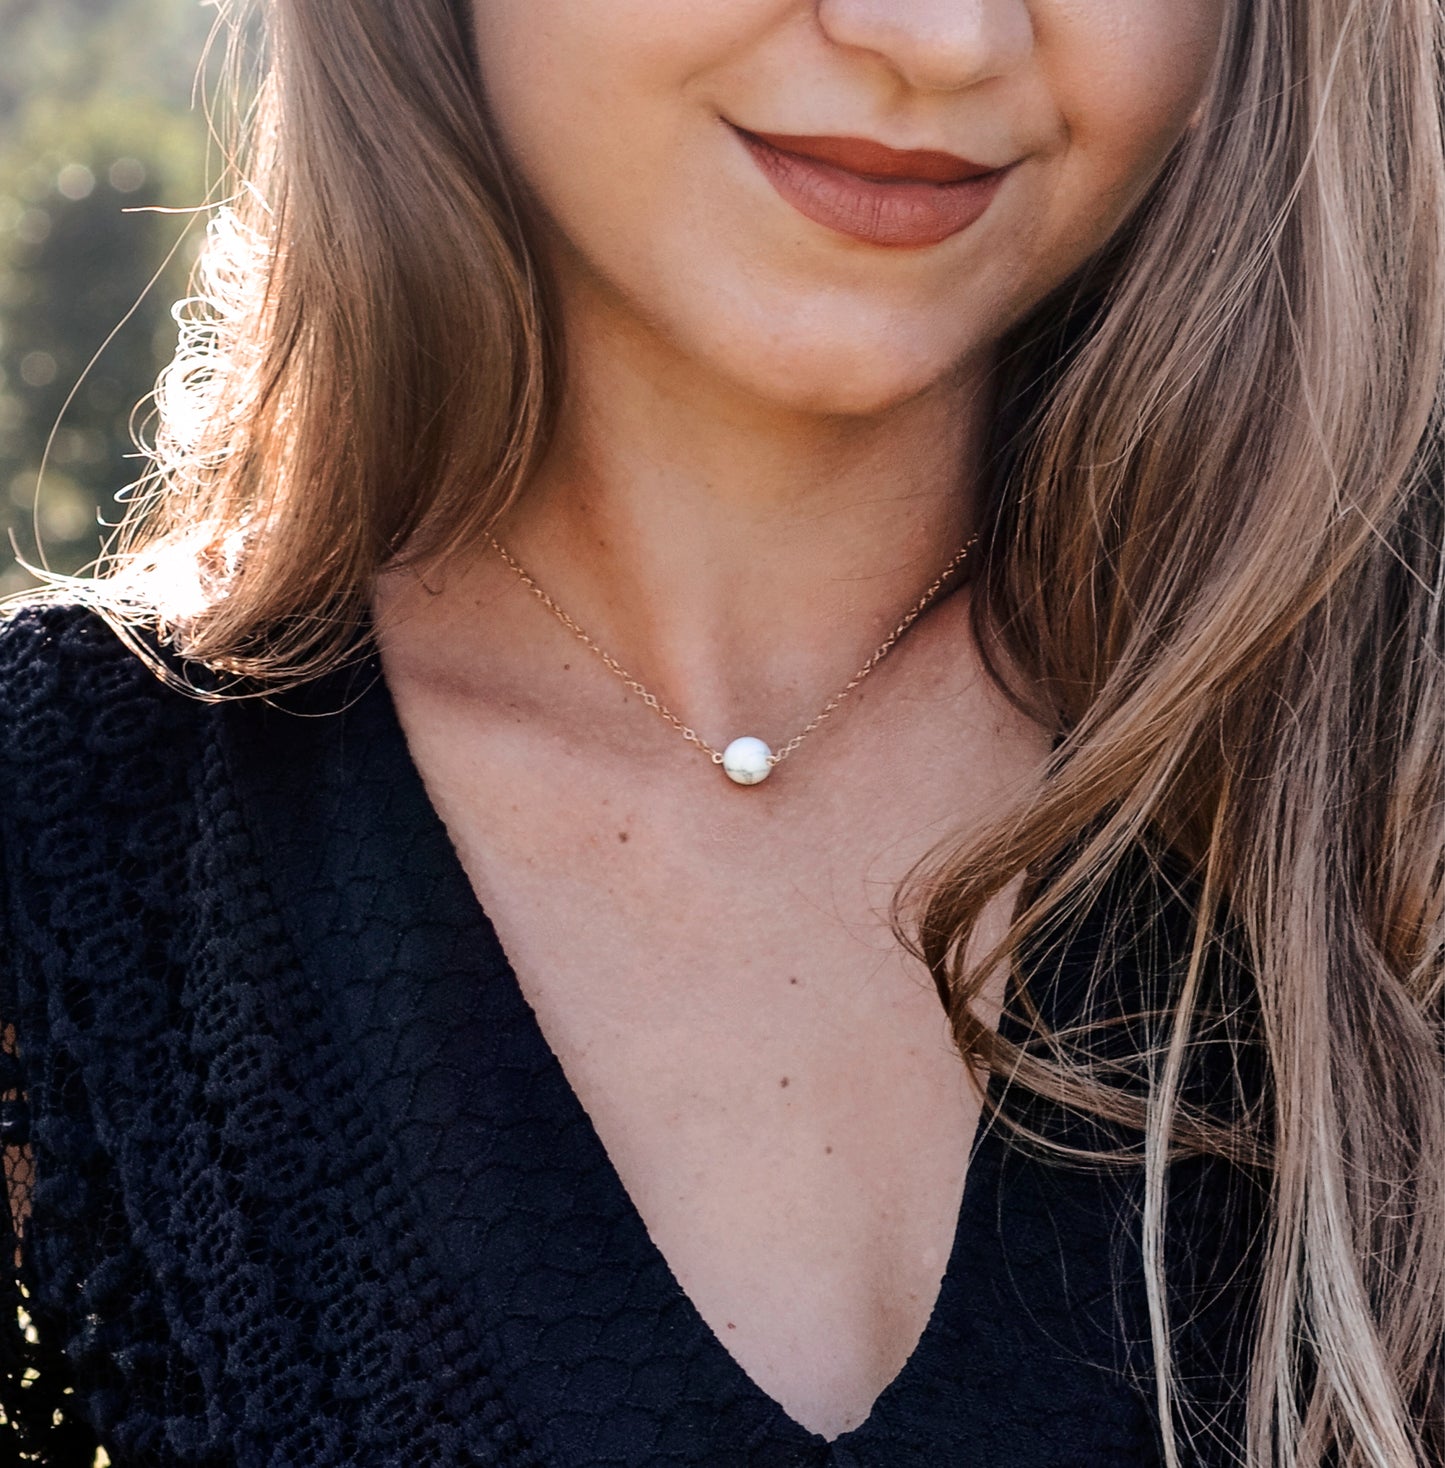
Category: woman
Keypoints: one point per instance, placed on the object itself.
(796, 510)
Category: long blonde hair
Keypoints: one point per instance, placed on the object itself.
(1215, 566)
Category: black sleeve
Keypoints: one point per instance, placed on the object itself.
(38, 1425)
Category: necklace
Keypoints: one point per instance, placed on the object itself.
(745, 760)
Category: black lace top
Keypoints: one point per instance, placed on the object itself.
(310, 1188)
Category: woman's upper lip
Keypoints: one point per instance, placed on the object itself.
(875, 160)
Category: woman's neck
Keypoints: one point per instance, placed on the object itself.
(742, 560)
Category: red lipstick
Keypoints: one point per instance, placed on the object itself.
(904, 198)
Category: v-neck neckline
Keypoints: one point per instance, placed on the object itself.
(509, 996)
(506, 990)
(352, 783)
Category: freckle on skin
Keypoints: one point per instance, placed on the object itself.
(827, 1151)
(731, 1326)
(784, 1081)
(792, 981)
(623, 836)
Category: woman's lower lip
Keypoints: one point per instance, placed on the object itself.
(901, 213)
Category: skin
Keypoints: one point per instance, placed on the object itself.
(767, 449)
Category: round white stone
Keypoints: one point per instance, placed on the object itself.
(747, 761)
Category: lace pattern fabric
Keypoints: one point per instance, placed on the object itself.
(274, 1216)
(218, 1261)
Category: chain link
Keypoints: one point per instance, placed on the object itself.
(691, 735)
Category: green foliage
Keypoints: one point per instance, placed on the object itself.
(97, 132)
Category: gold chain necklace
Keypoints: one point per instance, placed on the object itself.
(746, 760)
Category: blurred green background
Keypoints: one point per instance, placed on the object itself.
(97, 122)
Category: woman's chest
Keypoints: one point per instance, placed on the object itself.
(792, 1124)
(771, 1075)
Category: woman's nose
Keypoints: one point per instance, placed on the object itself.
(934, 45)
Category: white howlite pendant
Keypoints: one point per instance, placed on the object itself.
(747, 761)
